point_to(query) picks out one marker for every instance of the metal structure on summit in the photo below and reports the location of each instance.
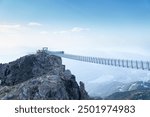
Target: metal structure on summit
(134, 64)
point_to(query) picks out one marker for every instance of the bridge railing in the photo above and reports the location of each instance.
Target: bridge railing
(134, 64)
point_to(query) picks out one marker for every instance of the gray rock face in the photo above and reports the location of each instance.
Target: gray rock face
(83, 93)
(39, 76)
(28, 67)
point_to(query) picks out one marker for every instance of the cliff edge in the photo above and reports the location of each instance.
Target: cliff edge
(39, 76)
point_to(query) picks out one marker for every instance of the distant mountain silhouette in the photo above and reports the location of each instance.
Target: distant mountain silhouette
(138, 90)
(143, 94)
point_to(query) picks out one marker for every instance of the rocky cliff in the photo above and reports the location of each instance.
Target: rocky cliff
(39, 76)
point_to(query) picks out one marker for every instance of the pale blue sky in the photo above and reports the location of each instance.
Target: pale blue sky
(75, 26)
(76, 11)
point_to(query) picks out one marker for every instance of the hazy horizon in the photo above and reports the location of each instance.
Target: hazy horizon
(75, 26)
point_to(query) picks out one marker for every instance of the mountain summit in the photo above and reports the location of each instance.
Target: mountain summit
(39, 76)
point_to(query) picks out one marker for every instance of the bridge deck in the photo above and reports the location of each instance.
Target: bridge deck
(134, 64)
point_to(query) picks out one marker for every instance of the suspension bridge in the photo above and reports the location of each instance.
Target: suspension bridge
(134, 64)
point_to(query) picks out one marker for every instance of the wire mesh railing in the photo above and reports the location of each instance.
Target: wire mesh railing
(134, 64)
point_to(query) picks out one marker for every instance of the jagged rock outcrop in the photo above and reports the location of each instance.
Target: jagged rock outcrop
(39, 76)
(83, 93)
